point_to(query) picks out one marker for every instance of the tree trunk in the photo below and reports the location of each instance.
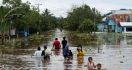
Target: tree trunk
(2, 38)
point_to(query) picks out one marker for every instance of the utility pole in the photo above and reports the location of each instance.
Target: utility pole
(38, 5)
(94, 19)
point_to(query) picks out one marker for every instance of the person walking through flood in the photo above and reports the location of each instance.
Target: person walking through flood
(38, 56)
(56, 44)
(66, 52)
(80, 54)
(38, 52)
(70, 56)
(64, 42)
(46, 53)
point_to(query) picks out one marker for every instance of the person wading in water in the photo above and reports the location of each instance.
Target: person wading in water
(56, 44)
(45, 54)
(64, 43)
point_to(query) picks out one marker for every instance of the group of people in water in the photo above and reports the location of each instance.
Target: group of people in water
(67, 54)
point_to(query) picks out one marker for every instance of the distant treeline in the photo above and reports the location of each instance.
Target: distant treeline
(23, 16)
(83, 19)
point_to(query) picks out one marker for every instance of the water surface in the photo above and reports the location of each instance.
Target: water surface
(111, 50)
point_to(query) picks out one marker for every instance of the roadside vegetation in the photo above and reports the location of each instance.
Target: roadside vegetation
(26, 18)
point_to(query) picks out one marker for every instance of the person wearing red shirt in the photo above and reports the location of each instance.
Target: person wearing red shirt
(56, 44)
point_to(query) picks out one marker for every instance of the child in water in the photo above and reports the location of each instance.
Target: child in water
(70, 54)
(91, 65)
(98, 66)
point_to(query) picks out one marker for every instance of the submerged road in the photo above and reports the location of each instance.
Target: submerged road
(112, 57)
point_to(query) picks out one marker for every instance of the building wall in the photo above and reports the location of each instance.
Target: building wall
(130, 16)
(113, 26)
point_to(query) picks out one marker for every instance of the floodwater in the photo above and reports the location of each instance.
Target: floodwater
(111, 50)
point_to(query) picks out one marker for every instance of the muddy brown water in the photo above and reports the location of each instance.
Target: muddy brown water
(113, 53)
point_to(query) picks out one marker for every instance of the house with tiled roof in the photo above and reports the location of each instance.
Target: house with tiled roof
(119, 21)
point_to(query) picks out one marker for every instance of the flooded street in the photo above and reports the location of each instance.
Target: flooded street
(111, 50)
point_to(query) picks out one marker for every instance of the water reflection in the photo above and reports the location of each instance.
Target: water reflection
(46, 62)
(38, 61)
(80, 61)
(57, 52)
(67, 64)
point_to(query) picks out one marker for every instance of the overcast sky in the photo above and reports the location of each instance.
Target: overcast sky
(61, 7)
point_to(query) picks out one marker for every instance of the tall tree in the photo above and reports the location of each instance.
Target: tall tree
(86, 26)
(3, 23)
(77, 16)
(12, 3)
(48, 20)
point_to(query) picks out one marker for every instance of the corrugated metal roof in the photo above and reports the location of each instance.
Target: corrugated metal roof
(126, 23)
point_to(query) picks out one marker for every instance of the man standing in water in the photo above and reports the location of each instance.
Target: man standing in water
(56, 44)
(64, 42)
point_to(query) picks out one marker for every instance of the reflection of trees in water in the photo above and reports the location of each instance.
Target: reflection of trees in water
(82, 38)
(112, 38)
(12, 61)
(44, 37)
(12, 57)
(95, 40)
(15, 51)
(33, 41)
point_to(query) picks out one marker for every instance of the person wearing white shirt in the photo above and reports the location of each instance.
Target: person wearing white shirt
(38, 52)
(38, 56)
